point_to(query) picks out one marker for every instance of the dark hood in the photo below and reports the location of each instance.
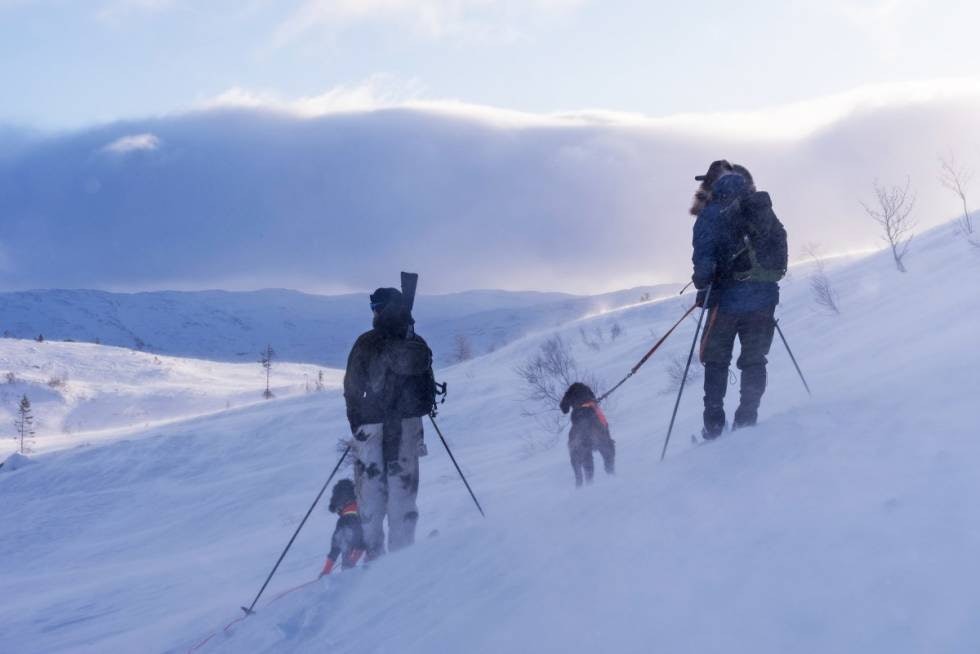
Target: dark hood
(393, 319)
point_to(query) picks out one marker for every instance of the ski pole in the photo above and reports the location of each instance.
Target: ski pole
(343, 456)
(461, 475)
(680, 391)
(793, 359)
(647, 355)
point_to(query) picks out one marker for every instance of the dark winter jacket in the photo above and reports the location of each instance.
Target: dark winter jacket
(717, 246)
(389, 375)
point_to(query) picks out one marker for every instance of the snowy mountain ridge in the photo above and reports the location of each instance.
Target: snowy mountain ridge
(844, 522)
(301, 327)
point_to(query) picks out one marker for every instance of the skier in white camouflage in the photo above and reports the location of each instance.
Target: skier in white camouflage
(389, 386)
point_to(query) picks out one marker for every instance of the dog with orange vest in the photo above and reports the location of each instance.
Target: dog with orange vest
(347, 543)
(589, 431)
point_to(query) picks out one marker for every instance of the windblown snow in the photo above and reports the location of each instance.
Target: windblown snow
(845, 522)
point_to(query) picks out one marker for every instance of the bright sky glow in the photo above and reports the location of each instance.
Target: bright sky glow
(69, 64)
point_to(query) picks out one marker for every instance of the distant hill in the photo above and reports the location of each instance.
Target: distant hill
(234, 326)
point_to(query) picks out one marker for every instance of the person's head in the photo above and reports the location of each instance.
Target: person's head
(707, 180)
(342, 496)
(730, 186)
(744, 172)
(390, 313)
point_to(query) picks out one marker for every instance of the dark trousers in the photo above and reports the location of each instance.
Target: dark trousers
(755, 330)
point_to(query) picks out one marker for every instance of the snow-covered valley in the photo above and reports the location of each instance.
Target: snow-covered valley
(83, 393)
(845, 522)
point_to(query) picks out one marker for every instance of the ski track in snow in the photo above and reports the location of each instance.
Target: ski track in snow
(842, 523)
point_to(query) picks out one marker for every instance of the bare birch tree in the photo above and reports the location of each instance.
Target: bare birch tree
(892, 210)
(547, 374)
(956, 177)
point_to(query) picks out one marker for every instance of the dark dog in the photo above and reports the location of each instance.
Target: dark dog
(590, 431)
(347, 543)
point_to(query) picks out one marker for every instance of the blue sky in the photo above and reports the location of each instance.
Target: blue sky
(67, 64)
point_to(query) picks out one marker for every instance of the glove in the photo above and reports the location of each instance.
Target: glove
(699, 298)
(327, 567)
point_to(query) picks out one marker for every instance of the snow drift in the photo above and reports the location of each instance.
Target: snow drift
(842, 523)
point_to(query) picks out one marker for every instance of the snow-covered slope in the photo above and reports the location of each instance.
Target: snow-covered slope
(845, 522)
(235, 326)
(82, 392)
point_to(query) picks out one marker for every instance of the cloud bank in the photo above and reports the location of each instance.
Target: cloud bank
(253, 197)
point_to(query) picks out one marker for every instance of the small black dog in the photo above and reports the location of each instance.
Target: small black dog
(590, 431)
(348, 536)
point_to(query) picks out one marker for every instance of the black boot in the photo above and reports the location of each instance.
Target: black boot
(753, 386)
(715, 385)
(744, 417)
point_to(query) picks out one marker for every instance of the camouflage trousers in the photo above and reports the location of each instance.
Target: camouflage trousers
(386, 481)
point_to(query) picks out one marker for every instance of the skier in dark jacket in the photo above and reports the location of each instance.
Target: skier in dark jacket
(388, 386)
(589, 431)
(347, 543)
(740, 251)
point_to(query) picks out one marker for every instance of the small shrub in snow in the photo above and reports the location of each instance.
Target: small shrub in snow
(823, 293)
(265, 359)
(592, 340)
(615, 331)
(546, 375)
(10, 378)
(675, 373)
(462, 350)
(820, 287)
(24, 424)
(892, 210)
